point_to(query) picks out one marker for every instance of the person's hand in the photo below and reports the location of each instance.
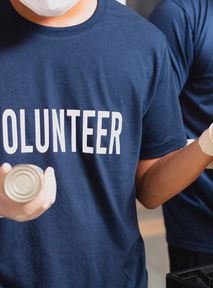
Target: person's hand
(206, 141)
(28, 211)
(206, 144)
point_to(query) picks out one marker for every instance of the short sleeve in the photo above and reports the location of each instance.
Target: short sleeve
(162, 123)
(173, 20)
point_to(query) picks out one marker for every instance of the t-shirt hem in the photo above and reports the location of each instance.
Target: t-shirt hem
(159, 151)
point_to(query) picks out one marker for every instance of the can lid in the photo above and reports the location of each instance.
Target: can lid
(23, 183)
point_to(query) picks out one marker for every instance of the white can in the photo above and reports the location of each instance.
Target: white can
(23, 183)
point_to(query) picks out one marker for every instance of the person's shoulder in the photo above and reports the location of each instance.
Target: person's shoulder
(177, 10)
(195, 10)
(131, 23)
(129, 18)
(189, 6)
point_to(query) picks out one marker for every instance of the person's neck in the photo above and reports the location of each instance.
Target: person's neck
(76, 15)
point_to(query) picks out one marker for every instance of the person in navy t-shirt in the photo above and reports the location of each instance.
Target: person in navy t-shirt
(90, 93)
(188, 26)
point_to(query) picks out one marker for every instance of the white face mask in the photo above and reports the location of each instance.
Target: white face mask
(49, 8)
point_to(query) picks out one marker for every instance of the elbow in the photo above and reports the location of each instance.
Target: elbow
(150, 205)
(149, 200)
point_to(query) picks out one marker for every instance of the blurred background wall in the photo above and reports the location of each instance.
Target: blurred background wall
(143, 7)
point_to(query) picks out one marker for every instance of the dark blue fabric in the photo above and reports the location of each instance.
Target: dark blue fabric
(188, 26)
(114, 62)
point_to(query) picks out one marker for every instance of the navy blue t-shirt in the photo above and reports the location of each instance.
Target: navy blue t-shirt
(90, 101)
(188, 26)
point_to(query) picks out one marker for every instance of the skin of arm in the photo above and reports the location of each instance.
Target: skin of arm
(158, 180)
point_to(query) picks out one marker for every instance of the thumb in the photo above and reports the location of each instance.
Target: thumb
(211, 131)
(6, 167)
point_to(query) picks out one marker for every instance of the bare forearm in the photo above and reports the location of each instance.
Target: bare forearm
(172, 174)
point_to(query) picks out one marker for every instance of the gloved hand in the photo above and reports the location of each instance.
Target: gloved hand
(206, 141)
(28, 211)
(210, 166)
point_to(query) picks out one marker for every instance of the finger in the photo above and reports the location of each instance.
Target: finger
(28, 217)
(6, 167)
(50, 186)
(37, 215)
(49, 190)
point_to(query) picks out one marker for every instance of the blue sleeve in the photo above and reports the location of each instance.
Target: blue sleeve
(174, 21)
(163, 130)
